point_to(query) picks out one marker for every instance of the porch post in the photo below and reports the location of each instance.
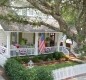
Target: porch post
(64, 41)
(36, 44)
(17, 37)
(8, 44)
(58, 39)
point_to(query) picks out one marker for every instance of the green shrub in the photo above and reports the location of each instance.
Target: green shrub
(46, 57)
(25, 59)
(15, 70)
(49, 57)
(35, 59)
(43, 74)
(21, 59)
(42, 57)
(58, 55)
(18, 58)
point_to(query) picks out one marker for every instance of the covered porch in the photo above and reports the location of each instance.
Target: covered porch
(24, 43)
(21, 40)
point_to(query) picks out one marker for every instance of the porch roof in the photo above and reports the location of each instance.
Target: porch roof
(24, 28)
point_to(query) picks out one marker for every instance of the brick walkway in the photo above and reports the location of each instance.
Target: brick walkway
(3, 76)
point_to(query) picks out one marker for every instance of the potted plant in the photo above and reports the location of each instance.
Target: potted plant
(47, 41)
(23, 41)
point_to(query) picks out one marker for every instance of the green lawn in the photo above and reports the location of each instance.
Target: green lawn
(56, 66)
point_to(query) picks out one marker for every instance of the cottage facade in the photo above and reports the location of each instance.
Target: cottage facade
(17, 39)
(26, 42)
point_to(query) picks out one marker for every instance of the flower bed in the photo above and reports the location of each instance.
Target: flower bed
(42, 58)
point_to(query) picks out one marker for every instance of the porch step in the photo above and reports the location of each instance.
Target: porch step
(72, 55)
(74, 59)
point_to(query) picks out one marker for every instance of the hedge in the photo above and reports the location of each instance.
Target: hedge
(41, 57)
(17, 71)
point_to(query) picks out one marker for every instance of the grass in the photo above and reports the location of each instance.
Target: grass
(56, 66)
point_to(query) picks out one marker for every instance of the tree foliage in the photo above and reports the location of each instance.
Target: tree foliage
(68, 13)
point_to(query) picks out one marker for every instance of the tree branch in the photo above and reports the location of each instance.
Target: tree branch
(25, 21)
(16, 7)
(39, 6)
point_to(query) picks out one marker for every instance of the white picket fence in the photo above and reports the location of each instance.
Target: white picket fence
(67, 72)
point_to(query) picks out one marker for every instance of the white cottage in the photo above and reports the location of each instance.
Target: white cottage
(18, 40)
(22, 40)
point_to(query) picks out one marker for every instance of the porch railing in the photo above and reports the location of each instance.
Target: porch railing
(50, 49)
(68, 72)
(64, 50)
(29, 51)
(22, 51)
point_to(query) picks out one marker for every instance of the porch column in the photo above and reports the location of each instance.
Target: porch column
(17, 37)
(36, 44)
(8, 44)
(64, 41)
(58, 37)
(56, 41)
